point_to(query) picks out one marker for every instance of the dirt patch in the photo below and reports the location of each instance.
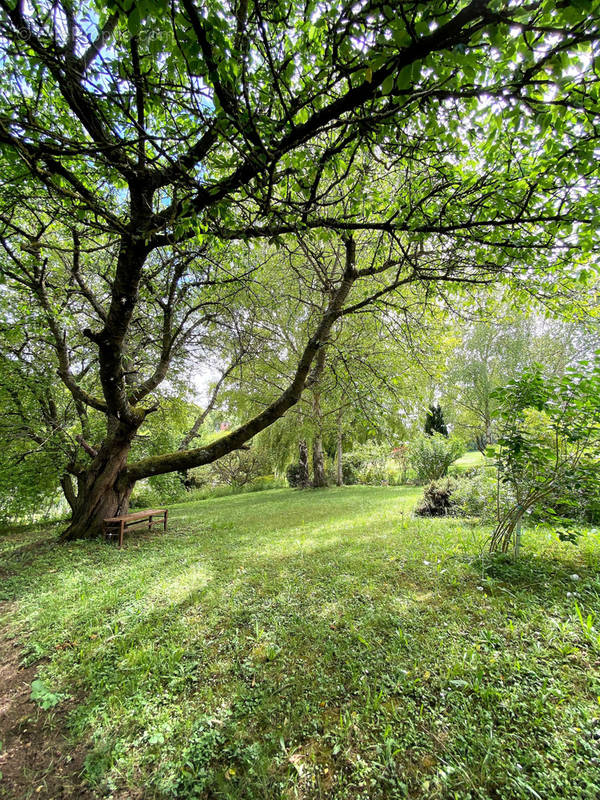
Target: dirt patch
(36, 758)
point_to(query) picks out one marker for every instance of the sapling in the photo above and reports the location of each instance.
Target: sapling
(549, 434)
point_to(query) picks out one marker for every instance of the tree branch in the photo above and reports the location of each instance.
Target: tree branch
(178, 461)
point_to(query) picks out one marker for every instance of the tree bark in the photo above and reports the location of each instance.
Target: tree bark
(339, 452)
(102, 491)
(303, 476)
(66, 484)
(319, 479)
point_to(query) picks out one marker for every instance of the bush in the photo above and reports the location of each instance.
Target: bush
(548, 443)
(158, 490)
(349, 472)
(373, 474)
(238, 468)
(432, 455)
(263, 483)
(370, 464)
(292, 475)
(471, 495)
(163, 489)
(144, 497)
(574, 498)
(474, 495)
(401, 462)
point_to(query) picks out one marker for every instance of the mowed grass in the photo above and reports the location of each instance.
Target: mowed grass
(319, 644)
(471, 459)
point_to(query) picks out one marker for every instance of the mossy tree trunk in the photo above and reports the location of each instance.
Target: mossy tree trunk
(103, 489)
(319, 477)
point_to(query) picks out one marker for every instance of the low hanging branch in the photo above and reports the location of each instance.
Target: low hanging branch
(182, 460)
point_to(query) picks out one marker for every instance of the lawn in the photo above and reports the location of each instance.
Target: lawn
(471, 460)
(318, 644)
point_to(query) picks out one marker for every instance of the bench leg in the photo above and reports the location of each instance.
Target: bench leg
(122, 530)
(150, 522)
(165, 523)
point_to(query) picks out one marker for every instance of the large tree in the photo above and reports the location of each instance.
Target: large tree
(376, 368)
(139, 139)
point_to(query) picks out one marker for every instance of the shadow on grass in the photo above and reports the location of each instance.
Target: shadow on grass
(222, 548)
(87, 584)
(538, 575)
(283, 613)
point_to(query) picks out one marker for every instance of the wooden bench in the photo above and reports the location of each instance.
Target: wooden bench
(114, 526)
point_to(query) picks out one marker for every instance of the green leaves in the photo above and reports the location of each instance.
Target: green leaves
(432, 455)
(549, 440)
(134, 20)
(226, 121)
(388, 84)
(406, 76)
(43, 696)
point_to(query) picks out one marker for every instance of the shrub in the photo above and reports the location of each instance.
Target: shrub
(264, 482)
(474, 495)
(170, 488)
(432, 455)
(370, 464)
(373, 474)
(549, 438)
(261, 484)
(401, 462)
(574, 498)
(144, 497)
(349, 471)
(158, 490)
(292, 475)
(238, 468)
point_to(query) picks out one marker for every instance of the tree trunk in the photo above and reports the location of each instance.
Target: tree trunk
(66, 484)
(303, 476)
(339, 452)
(102, 491)
(106, 486)
(319, 479)
(318, 465)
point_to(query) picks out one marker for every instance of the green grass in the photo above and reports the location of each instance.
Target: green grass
(469, 461)
(319, 644)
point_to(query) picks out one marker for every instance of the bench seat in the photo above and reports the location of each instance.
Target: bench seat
(115, 526)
